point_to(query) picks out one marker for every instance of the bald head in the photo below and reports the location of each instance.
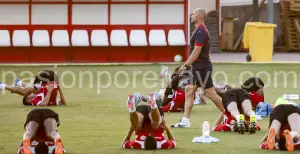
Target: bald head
(201, 13)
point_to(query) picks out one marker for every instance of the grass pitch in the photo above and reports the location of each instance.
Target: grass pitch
(96, 120)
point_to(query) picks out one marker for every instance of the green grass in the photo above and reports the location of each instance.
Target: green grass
(97, 123)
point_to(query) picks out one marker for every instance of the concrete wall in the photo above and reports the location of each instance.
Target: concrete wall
(241, 12)
(205, 4)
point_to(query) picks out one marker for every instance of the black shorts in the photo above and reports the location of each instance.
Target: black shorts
(281, 113)
(40, 115)
(44, 77)
(145, 110)
(234, 95)
(203, 77)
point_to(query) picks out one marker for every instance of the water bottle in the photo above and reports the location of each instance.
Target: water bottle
(205, 128)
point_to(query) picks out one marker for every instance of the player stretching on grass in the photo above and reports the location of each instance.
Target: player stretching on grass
(237, 103)
(41, 136)
(284, 127)
(42, 92)
(148, 124)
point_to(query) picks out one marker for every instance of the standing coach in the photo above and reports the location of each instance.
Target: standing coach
(201, 67)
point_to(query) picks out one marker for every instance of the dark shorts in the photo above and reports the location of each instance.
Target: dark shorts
(235, 95)
(40, 115)
(203, 77)
(145, 110)
(45, 76)
(281, 113)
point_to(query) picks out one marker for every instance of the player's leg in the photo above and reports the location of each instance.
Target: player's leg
(209, 90)
(13, 89)
(135, 114)
(50, 125)
(274, 130)
(154, 115)
(31, 127)
(188, 106)
(294, 122)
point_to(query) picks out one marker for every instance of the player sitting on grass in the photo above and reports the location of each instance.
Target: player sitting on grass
(41, 136)
(284, 127)
(148, 124)
(237, 104)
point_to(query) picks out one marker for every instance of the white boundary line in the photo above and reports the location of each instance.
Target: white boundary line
(128, 64)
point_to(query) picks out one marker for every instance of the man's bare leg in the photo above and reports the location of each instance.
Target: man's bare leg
(212, 95)
(189, 100)
(273, 132)
(30, 131)
(154, 115)
(14, 89)
(188, 106)
(233, 109)
(50, 126)
(136, 119)
(294, 122)
(247, 108)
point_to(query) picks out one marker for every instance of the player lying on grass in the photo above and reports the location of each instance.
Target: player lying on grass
(284, 127)
(41, 136)
(148, 124)
(254, 87)
(173, 97)
(237, 103)
(42, 92)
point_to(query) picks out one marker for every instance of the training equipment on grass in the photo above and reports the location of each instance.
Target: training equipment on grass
(291, 96)
(205, 138)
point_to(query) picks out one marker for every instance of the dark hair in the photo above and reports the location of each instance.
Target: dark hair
(282, 143)
(25, 101)
(41, 148)
(45, 76)
(150, 143)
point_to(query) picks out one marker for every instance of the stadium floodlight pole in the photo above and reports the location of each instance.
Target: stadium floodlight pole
(270, 11)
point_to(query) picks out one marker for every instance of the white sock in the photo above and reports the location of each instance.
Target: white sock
(19, 83)
(237, 118)
(154, 106)
(2, 86)
(185, 119)
(132, 109)
(294, 134)
(251, 113)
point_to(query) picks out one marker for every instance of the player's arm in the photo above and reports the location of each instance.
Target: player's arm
(219, 121)
(46, 100)
(127, 138)
(168, 131)
(199, 42)
(169, 91)
(62, 96)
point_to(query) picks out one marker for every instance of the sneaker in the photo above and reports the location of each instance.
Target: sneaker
(164, 72)
(16, 81)
(59, 146)
(137, 98)
(241, 124)
(130, 102)
(271, 139)
(26, 146)
(151, 100)
(289, 141)
(252, 125)
(184, 123)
